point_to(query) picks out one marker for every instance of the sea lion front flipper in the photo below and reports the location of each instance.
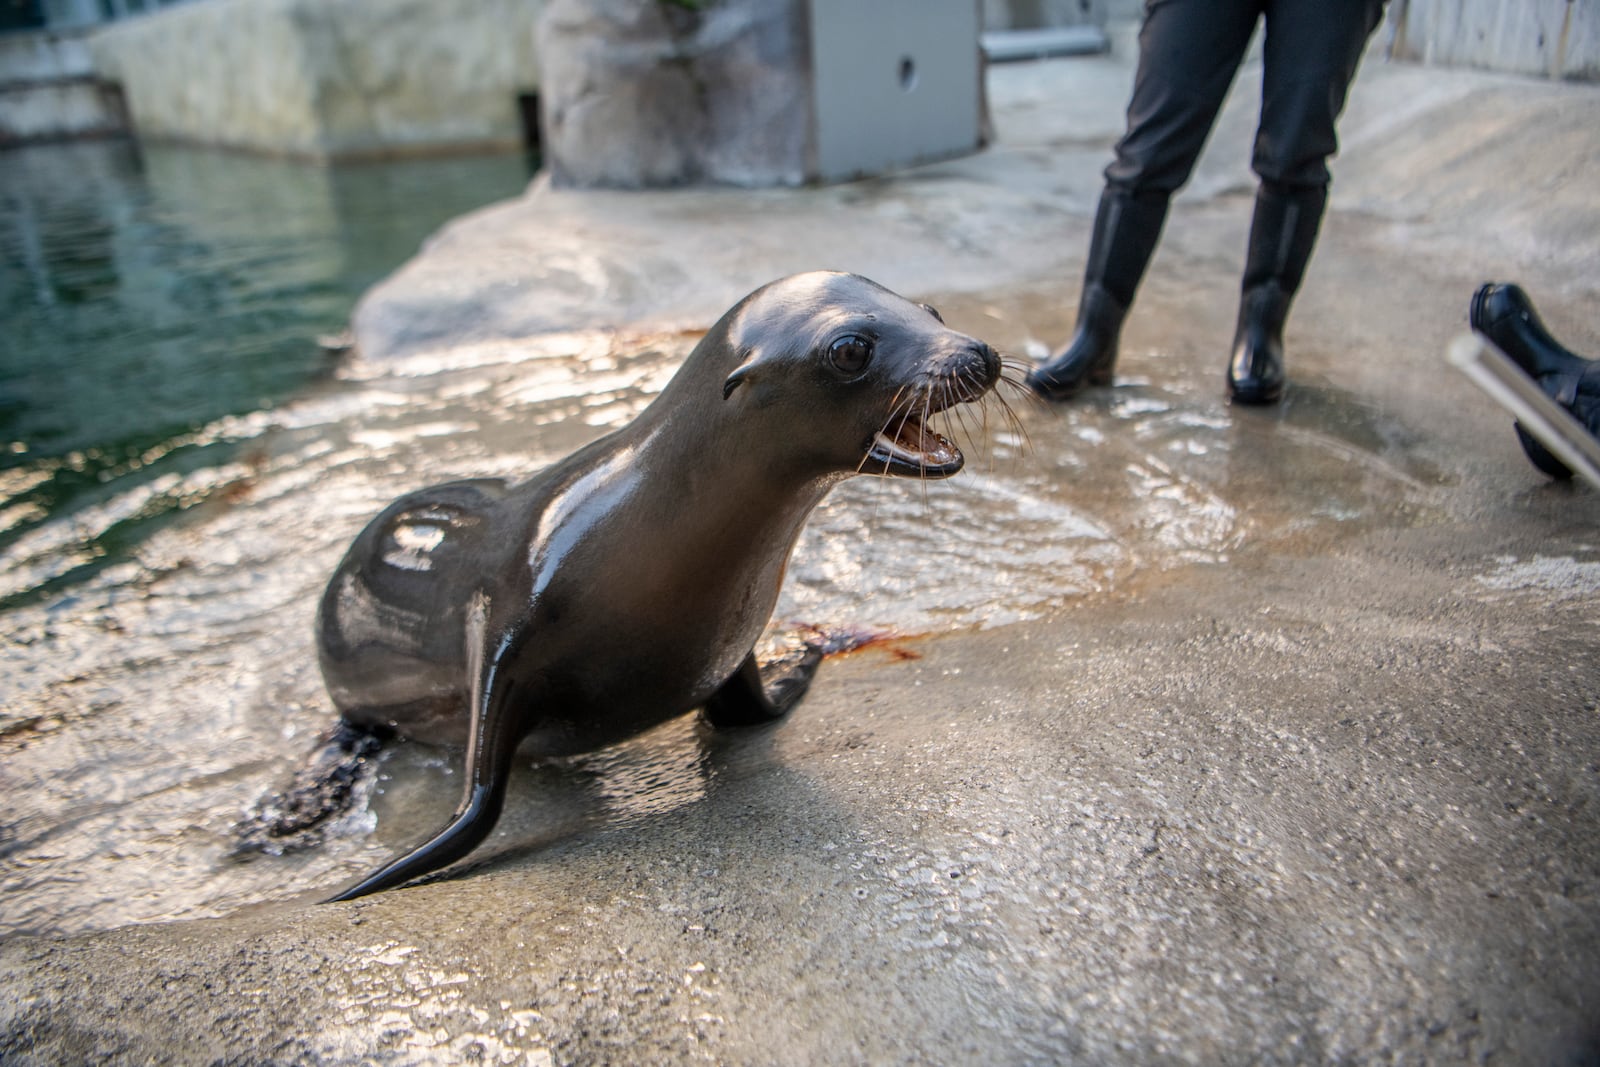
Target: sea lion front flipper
(744, 701)
(491, 742)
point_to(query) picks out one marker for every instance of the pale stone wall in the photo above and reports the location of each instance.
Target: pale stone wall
(327, 79)
(229, 72)
(1550, 38)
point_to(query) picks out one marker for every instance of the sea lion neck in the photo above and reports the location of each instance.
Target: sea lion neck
(714, 462)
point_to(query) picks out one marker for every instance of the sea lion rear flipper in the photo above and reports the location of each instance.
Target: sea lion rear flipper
(491, 742)
(744, 701)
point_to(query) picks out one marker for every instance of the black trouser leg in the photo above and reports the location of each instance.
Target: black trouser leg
(1308, 58)
(1310, 55)
(1188, 53)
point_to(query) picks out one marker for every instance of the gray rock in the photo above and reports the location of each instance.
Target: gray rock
(640, 94)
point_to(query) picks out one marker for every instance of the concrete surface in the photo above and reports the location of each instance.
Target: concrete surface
(1331, 794)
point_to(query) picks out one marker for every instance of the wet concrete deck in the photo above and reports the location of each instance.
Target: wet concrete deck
(1312, 777)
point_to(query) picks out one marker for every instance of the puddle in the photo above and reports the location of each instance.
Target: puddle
(146, 707)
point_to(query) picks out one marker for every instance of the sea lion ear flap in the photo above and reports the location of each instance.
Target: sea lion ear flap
(739, 374)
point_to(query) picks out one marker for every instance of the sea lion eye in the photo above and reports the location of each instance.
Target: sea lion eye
(930, 309)
(849, 354)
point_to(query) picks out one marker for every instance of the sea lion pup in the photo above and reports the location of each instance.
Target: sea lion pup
(628, 583)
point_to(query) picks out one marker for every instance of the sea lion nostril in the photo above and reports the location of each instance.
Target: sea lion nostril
(970, 371)
(981, 355)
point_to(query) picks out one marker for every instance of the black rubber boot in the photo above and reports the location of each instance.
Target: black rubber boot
(1126, 229)
(1255, 374)
(1282, 234)
(1505, 316)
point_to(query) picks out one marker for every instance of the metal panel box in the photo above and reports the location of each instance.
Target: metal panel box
(894, 82)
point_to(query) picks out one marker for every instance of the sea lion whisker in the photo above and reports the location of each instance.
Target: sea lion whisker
(987, 428)
(889, 420)
(954, 406)
(1014, 422)
(980, 402)
(927, 414)
(910, 410)
(884, 431)
(861, 467)
(922, 453)
(983, 436)
(1014, 374)
(894, 434)
(976, 395)
(979, 437)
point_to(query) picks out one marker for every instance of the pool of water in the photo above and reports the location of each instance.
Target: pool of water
(149, 292)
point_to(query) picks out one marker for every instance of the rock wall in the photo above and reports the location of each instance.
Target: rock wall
(327, 79)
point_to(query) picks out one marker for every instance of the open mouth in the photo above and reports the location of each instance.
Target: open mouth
(908, 447)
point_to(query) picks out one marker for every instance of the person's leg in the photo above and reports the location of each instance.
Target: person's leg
(1126, 229)
(1189, 51)
(1310, 56)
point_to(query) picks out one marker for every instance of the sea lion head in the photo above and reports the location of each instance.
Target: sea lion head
(850, 373)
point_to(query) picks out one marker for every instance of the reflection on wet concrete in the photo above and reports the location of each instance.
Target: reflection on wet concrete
(412, 1020)
(148, 706)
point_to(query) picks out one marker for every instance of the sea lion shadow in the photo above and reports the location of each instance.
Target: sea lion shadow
(683, 778)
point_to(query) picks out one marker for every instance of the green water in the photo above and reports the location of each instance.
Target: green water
(147, 293)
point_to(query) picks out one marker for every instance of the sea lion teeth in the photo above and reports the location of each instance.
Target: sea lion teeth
(929, 448)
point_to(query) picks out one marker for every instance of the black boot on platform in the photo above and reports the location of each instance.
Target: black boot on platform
(1126, 229)
(1505, 316)
(1255, 374)
(1282, 234)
